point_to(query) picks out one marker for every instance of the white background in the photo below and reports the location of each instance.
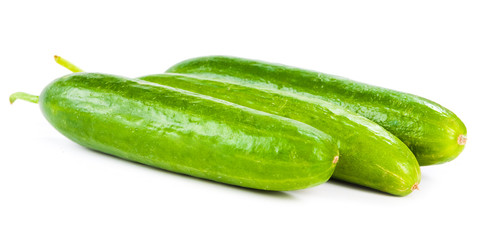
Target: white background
(51, 188)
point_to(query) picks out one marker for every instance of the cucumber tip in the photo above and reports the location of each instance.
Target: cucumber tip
(415, 187)
(335, 159)
(461, 140)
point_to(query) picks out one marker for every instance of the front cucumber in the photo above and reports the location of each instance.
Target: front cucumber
(186, 132)
(369, 155)
(433, 133)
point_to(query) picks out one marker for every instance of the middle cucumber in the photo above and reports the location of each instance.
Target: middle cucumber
(369, 155)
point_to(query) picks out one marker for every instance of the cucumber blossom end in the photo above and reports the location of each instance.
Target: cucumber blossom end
(462, 139)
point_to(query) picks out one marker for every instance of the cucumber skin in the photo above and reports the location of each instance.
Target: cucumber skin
(362, 143)
(188, 133)
(431, 131)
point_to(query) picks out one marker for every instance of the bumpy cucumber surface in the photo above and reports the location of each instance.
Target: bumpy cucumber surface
(433, 133)
(369, 155)
(187, 132)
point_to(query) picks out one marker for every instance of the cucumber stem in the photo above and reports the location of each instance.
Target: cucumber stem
(23, 96)
(64, 63)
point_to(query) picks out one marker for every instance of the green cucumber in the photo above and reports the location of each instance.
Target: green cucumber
(433, 133)
(369, 155)
(186, 132)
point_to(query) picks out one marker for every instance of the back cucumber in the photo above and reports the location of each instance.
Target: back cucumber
(186, 132)
(369, 155)
(433, 133)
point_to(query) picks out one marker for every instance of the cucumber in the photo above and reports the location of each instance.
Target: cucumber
(369, 155)
(433, 133)
(186, 132)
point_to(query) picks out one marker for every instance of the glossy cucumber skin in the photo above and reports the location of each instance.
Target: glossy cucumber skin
(433, 133)
(369, 155)
(188, 133)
